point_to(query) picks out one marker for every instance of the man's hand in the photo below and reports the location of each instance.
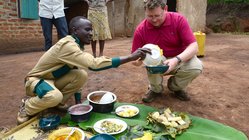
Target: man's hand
(137, 63)
(172, 63)
(140, 54)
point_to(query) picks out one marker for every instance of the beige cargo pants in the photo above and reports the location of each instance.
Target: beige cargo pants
(180, 77)
(63, 88)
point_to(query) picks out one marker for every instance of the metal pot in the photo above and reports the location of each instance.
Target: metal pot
(94, 98)
(80, 112)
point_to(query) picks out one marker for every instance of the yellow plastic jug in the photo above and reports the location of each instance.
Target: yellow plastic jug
(200, 38)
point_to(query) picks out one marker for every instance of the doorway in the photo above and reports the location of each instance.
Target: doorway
(171, 5)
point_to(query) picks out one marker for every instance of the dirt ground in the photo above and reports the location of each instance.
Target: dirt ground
(220, 93)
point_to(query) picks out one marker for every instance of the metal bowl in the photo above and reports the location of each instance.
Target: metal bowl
(94, 98)
(49, 123)
(80, 112)
(102, 137)
(160, 69)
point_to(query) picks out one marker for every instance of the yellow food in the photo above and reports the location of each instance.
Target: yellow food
(63, 137)
(61, 134)
(111, 127)
(175, 122)
(168, 118)
(146, 136)
(127, 113)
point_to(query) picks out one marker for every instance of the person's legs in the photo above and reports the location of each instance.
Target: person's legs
(71, 83)
(52, 98)
(61, 26)
(101, 47)
(155, 87)
(93, 44)
(184, 75)
(58, 93)
(35, 104)
(155, 81)
(182, 78)
(47, 26)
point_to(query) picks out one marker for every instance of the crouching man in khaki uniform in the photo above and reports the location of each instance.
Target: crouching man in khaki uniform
(62, 71)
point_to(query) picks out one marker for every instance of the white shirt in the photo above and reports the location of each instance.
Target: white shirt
(51, 8)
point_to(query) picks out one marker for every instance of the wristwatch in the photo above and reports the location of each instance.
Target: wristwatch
(179, 59)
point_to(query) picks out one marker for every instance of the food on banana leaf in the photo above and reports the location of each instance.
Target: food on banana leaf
(138, 132)
(146, 136)
(127, 113)
(174, 123)
(110, 127)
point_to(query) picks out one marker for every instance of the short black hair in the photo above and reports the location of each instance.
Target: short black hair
(74, 22)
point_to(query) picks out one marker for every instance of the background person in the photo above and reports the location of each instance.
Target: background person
(51, 13)
(171, 32)
(62, 71)
(97, 14)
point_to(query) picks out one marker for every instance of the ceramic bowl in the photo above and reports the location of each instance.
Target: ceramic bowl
(80, 112)
(94, 100)
(50, 122)
(62, 133)
(106, 98)
(102, 137)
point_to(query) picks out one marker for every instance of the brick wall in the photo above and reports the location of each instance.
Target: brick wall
(16, 34)
(11, 26)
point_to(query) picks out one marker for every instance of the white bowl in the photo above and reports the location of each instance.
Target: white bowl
(155, 58)
(106, 98)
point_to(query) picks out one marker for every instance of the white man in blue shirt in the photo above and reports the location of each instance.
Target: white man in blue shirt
(51, 13)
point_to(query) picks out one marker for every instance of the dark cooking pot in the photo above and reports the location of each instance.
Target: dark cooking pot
(80, 112)
(94, 98)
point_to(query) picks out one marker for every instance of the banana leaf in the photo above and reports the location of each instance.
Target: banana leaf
(204, 129)
(201, 129)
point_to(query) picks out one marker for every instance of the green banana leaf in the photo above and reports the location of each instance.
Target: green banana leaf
(201, 129)
(204, 129)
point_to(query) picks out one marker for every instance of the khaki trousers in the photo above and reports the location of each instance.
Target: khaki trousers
(180, 77)
(63, 88)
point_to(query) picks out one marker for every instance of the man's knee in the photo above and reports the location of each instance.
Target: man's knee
(54, 98)
(195, 72)
(81, 76)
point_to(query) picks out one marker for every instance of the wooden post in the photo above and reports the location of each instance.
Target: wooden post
(113, 19)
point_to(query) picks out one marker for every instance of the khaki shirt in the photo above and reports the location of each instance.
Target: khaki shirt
(66, 54)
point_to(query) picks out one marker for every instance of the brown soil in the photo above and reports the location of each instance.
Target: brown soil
(233, 17)
(220, 93)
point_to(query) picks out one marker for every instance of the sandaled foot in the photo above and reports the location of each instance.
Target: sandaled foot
(150, 96)
(22, 115)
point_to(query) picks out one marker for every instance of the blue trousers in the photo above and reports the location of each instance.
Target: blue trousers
(47, 26)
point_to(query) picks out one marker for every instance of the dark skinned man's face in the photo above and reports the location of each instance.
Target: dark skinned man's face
(84, 31)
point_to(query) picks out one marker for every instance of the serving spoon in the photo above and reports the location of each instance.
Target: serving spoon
(71, 133)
